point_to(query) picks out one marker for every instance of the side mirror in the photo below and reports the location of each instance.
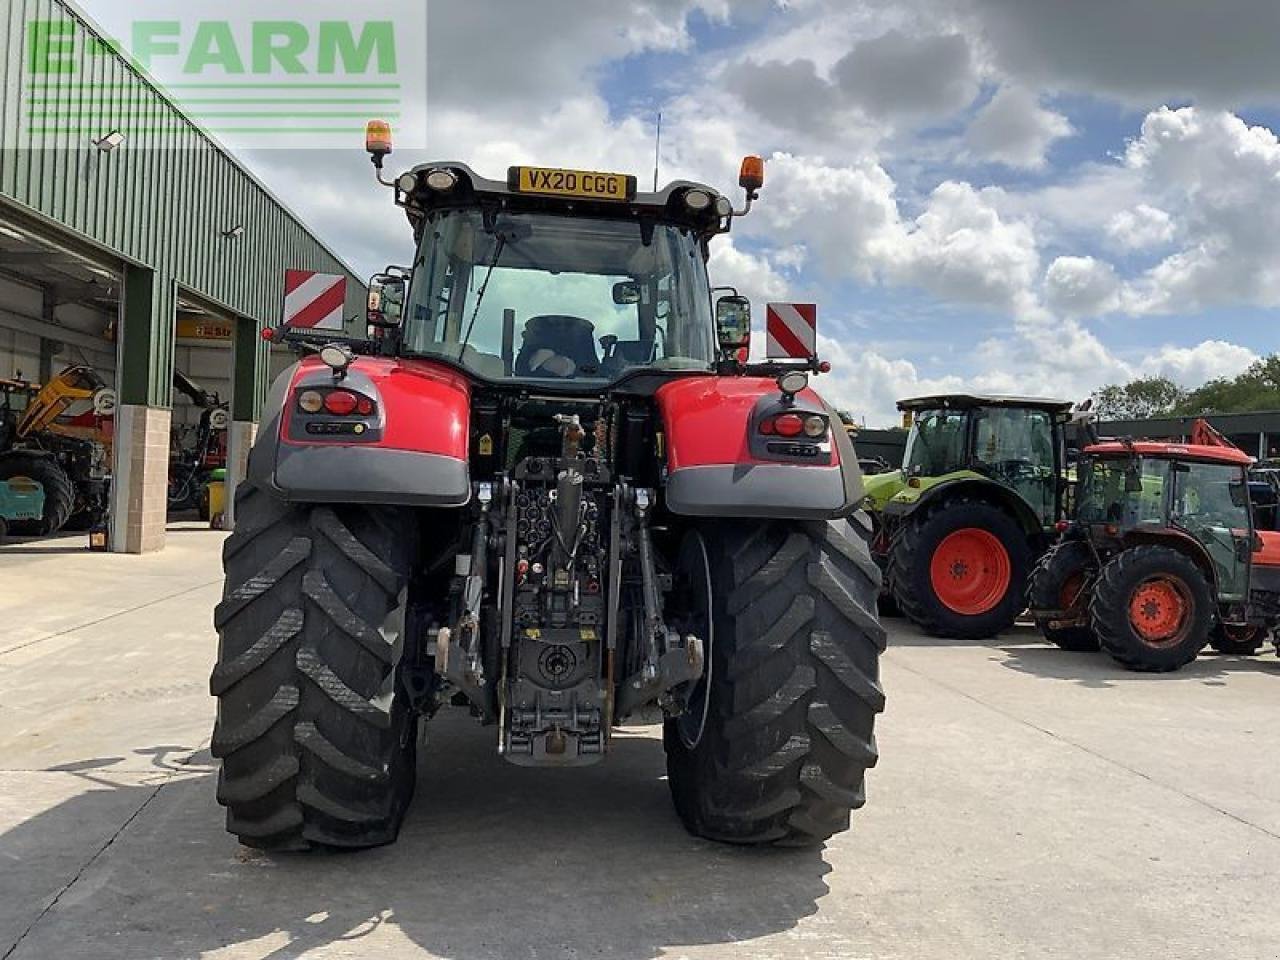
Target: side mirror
(386, 300)
(733, 323)
(626, 293)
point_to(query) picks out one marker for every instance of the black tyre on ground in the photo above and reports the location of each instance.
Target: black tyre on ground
(780, 731)
(1151, 609)
(959, 567)
(1237, 641)
(1058, 582)
(314, 730)
(59, 491)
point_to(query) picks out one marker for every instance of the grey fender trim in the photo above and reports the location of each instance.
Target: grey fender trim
(766, 490)
(323, 474)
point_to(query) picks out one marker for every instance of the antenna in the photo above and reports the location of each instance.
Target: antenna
(657, 145)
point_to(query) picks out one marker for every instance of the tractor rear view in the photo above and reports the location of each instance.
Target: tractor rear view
(547, 492)
(1162, 559)
(960, 526)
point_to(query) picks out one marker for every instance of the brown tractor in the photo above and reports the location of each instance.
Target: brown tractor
(1162, 558)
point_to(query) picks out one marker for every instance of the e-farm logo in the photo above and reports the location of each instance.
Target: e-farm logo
(305, 81)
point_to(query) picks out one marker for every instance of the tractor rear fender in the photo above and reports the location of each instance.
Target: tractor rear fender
(1175, 539)
(720, 464)
(973, 489)
(411, 450)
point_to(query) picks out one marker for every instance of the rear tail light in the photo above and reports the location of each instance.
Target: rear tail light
(813, 427)
(788, 425)
(338, 403)
(341, 403)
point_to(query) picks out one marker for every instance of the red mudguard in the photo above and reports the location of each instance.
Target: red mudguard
(412, 450)
(718, 466)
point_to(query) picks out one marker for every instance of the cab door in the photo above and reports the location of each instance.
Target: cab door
(1210, 501)
(1015, 446)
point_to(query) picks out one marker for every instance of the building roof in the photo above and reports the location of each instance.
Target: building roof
(966, 400)
(1170, 451)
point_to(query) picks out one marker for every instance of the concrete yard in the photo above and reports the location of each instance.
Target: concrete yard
(1029, 803)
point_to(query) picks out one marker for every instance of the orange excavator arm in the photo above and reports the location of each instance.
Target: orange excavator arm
(1205, 434)
(72, 384)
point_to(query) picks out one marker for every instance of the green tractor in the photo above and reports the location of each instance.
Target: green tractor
(960, 526)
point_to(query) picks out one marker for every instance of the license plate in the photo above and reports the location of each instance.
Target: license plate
(586, 184)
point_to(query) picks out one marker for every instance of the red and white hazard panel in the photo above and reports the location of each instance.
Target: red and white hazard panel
(314, 301)
(791, 330)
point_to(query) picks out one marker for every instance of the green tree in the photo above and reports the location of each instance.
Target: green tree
(1258, 388)
(1137, 399)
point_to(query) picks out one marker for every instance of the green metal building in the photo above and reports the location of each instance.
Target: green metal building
(118, 217)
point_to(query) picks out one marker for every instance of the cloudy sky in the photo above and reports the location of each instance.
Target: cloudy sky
(1013, 195)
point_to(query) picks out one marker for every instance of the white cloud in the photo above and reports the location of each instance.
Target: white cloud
(1013, 129)
(1081, 286)
(962, 250)
(1220, 178)
(1141, 227)
(1192, 366)
(752, 275)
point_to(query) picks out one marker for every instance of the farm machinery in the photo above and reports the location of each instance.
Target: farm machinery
(1162, 557)
(959, 528)
(548, 491)
(69, 456)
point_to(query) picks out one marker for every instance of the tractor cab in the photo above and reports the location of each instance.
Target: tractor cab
(567, 281)
(1016, 442)
(1195, 494)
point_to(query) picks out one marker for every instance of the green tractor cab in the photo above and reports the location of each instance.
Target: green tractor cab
(21, 498)
(960, 526)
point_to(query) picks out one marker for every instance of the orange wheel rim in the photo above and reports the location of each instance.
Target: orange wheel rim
(1243, 634)
(970, 571)
(1069, 595)
(1159, 611)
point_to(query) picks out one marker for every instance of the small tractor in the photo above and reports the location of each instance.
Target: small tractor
(960, 526)
(1162, 557)
(69, 457)
(547, 490)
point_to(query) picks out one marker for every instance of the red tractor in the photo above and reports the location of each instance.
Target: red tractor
(1162, 558)
(547, 491)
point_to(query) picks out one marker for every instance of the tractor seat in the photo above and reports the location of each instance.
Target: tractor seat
(1268, 555)
(566, 336)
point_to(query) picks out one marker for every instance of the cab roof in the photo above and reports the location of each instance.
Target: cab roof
(1158, 450)
(967, 400)
(665, 205)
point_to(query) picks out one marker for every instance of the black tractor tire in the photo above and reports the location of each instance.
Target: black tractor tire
(1158, 570)
(1236, 642)
(59, 491)
(314, 729)
(912, 552)
(794, 689)
(1059, 581)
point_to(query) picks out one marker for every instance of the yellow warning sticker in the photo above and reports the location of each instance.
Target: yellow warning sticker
(486, 446)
